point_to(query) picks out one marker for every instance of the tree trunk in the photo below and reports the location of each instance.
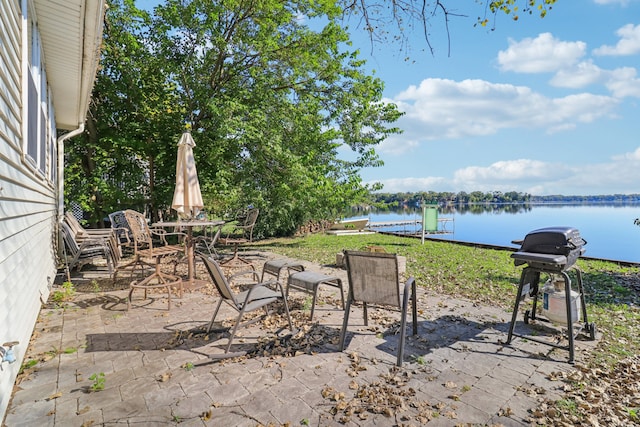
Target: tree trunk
(153, 212)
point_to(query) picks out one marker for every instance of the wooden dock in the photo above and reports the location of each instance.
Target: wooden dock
(416, 224)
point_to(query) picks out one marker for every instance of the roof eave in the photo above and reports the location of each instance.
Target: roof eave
(71, 32)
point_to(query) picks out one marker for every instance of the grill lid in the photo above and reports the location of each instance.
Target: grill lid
(550, 248)
(553, 240)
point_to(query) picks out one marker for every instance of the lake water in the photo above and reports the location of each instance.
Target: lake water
(609, 230)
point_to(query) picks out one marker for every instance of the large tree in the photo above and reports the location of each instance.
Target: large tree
(270, 90)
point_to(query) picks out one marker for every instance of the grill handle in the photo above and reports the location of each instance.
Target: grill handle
(571, 245)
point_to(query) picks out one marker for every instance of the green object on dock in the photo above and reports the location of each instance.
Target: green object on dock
(430, 218)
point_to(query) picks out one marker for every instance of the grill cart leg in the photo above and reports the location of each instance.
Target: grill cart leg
(534, 280)
(567, 299)
(531, 278)
(588, 327)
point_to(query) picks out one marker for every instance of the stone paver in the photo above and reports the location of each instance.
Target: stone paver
(457, 370)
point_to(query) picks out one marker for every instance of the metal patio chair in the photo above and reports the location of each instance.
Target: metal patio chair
(208, 242)
(120, 227)
(144, 248)
(257, 296)
(107, 234)
(86, 251)
(374, 279)
(242, 233)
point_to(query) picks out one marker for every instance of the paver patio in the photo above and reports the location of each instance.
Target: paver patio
(157, 369)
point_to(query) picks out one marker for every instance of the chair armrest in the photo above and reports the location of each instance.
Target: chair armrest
(159, 233)
(92, 243)
(122, 232)
(246, 272)
(162, 234)
(97, 231)
(202, 238)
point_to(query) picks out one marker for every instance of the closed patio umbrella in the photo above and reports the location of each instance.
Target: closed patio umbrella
(187, 199)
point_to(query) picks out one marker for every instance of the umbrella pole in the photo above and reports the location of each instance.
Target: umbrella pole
(190, 258)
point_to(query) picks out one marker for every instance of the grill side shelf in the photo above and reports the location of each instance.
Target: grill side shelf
(522, 257)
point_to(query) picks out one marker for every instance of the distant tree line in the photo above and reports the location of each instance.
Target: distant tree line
(391, 200)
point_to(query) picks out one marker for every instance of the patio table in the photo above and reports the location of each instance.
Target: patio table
(192, 283)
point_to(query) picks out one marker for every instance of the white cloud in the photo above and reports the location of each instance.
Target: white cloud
(398, 185)
(507, 175)
(621, 82)
(624, 82)
(618, 175)
(544, 53)
(580, 75)
(633, 156)
(445, 109)
(620, 2)
(512, 170)
(629, 43)
(397, 145)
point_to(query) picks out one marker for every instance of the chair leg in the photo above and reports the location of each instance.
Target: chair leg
(164, 280)
(236, 260)
(215, 313)
(345, 322)
(403, 332)
(169, 294)
(110, 261)
(415, 308)
(403, 323)
(286, 308)
(365, 314)
(131, 289)
(233, 331)
(313, 302)
(137, 261)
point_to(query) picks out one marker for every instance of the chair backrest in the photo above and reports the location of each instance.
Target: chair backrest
(74, 225)
(69, 239)
(119, 223)
(373, 278)
(251, 217)
(250, 222)
(219, 280)
(140, 232)
(214, 239)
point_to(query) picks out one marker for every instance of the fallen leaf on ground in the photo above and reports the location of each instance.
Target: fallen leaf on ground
(55, 396)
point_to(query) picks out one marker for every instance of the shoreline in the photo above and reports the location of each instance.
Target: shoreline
(502, 248)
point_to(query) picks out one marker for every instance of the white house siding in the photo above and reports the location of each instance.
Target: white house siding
(27, 209)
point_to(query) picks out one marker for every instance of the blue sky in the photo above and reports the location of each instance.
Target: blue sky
(543, 106)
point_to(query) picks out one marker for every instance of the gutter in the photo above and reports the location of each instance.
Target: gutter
(60, 184)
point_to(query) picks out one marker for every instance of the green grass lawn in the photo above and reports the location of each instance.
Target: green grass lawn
(489, 276)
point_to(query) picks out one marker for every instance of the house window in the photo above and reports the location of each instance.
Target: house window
(41, 134)
(32, 122)
(52, 164)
